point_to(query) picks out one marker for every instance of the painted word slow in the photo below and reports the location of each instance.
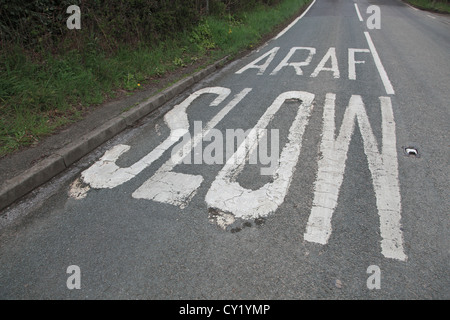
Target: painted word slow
(226, 195)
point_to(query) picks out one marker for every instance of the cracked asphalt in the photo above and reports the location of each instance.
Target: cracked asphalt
(136, 248)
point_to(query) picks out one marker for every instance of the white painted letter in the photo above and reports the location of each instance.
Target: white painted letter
(331, 54)
(383, 168)
(352, 62)
(179, 188)
(106, 174)
(296, 65)
(227, 195)
(262, 67)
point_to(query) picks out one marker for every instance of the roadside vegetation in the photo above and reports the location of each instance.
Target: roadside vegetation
(50, 75)
(442, 6)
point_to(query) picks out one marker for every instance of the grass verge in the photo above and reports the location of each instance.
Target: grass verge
(436, 6)
(41, 91)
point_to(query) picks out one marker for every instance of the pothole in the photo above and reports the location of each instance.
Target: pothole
(228, 222)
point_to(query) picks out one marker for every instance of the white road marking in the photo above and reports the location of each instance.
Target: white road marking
(297, 65)
(384, 77)
(263, 67)
(106, 174)
(77, 190)
(414, 8)
(228, 196)
(330, 57)
(352, 62)
(294, 22)
(383, 167)
(331, 54)
(359, 14)
(430, 16)
(178, 188)
(222, 219)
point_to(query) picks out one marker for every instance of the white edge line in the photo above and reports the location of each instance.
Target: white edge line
(295, 21)
(431, 16)
(384, 77)
(357, 11)
(414, 8)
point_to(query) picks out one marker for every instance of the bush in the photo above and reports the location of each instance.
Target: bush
(42, 23)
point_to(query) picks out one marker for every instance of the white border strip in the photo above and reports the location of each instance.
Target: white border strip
(414, 8)
(295, 21)
(359, 14)
(384, 77)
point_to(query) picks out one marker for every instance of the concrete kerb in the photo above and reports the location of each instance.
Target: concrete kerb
(76, 150)
(17, 187)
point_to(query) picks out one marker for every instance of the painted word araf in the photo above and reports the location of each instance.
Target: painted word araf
(328, 63)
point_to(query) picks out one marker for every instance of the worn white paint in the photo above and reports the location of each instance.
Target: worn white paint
(384, 77)
(78, 190)
(382, 165)
(358, 13)
(352, 62)
(106, 174)
(178, 188)
(228, 196)
(262, 68)
(222, 219)
(330, 55)
(294, 22)
(297, 65)
(329, 63)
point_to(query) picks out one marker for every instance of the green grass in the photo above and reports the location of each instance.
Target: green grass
(40, 92)
(235, 34)
(438, 6)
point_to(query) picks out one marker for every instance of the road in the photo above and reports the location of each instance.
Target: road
(320, 199)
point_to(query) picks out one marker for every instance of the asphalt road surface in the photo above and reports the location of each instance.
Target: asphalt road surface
(316, 167)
